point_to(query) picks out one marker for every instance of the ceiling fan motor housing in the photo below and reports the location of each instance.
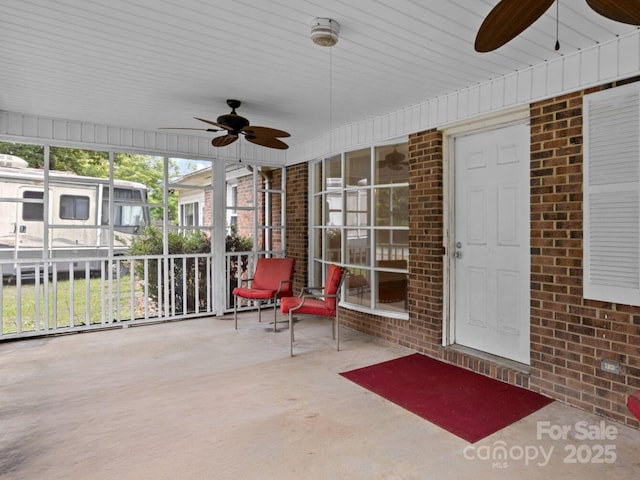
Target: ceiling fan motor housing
(234, 121)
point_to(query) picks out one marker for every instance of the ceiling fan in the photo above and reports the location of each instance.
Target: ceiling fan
(509, 18)
(394, 160)
(236, 125)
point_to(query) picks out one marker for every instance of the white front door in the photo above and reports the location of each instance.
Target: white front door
(491, 240)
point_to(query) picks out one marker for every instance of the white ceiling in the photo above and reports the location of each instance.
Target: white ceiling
(159, 63)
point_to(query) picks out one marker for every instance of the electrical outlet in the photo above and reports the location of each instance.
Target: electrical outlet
(610, 366)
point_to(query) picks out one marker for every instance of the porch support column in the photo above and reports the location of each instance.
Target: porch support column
(219, 281)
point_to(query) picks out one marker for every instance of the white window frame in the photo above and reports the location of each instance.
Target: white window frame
(195, 206)
(315, 226)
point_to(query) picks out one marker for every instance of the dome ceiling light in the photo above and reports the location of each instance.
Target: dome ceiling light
(324, 32)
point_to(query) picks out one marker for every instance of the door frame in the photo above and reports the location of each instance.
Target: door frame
(516, 116)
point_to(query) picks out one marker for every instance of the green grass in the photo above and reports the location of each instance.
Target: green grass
(93, 311)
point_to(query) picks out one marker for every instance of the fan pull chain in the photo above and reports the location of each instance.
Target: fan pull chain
(331, 98)
(557, 25)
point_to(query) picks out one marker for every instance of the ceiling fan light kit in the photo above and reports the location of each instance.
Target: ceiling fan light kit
(325, 32)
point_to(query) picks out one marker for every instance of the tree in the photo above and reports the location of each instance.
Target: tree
(149, 171)
(89, 163)
(33, 154)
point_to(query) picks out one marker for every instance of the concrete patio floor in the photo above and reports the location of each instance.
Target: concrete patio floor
(200, 400)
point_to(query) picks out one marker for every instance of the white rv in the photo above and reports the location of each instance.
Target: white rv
(78, 216)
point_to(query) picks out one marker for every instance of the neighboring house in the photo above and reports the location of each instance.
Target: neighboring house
(246, 199)
(193, 189)
(195, 199)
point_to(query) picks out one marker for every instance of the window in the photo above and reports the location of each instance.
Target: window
(128, 211)
(232, 203)
(73, 207)
(612, 195)
(360, 220)
(189, 214)
(33, 212)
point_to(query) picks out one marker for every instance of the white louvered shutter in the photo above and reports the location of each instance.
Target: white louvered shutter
(612, 195)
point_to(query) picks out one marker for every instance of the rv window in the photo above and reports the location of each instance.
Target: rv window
(125, 214)
(123, 193)
(33, 212)
(74, 207)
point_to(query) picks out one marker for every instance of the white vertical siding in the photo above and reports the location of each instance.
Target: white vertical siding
(606, 62)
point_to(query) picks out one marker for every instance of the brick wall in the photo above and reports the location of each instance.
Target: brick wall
(297, 215)
(245, 199)
(571, 335)
(276, 209)
(207, 209)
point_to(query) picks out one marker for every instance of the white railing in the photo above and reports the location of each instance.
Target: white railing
(66, 295)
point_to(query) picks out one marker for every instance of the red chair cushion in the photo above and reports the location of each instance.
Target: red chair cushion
(253, 293)
(633, 402)
(267, 277)
(270, 271)
(312, 306)
(334, 275)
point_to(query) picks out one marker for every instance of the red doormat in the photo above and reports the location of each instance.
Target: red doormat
(465, 403)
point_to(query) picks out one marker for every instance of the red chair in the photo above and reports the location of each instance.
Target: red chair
(324, 304)
(633, 402)
(272, 279)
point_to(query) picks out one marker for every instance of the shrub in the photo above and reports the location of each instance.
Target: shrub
(150, 242)
(236, 243)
